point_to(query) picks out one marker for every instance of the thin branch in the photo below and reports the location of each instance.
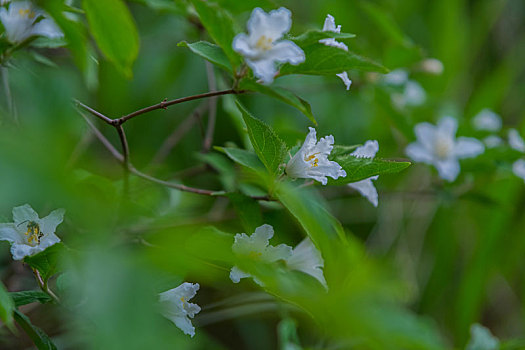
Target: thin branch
(43, 285)
(95, 113)
(124, 143)
(212, 112)
(164, 104)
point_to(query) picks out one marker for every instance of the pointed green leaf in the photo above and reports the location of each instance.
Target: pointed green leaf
(219, 24)
(281, 94)
(30, 296)
(243, 157)
(114, 30)
(39, 338)
(7, 306)
(328, 60)
(46, 262)
(362, 168)
(209, 52)
(268, 146)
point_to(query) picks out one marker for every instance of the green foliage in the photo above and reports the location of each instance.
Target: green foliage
(47, 262)
(268, 146)
(29, 296)
(114, 31)
(243, 157)
(362, 168)
(313, 37)
(39, 338)
(210, 52)
(7, 307)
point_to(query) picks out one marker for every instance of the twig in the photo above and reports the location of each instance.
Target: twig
(164, 104)
(212, 112)
(124, 144)
(95, 113)
(44, 287)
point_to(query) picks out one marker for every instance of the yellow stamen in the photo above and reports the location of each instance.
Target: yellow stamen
(264, 43)
(26, 13)
(255, 255)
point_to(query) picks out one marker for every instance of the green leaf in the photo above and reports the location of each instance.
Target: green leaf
(39, 338)
(209, 52)
(341, 150)
(219, 24)
(243, 157)
(268, 146)
(46, 262)
(114, 31)
(328, 60)
(313, 36)
(281, 94)
(248, 211)
(30, 296)
(7, 306)
(385, 23)
(223, 166)
(362, 168)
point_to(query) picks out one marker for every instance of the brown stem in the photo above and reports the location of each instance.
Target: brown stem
(95, 113)
(164, 104)
(43, 285)
(124, 143)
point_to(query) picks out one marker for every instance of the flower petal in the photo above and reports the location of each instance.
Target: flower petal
(306, 258)
(20, 251)
(492, 141)
(448, 169)
(24, 213)
(334, 43)
(345, 79)
(241, 44)
(486, 119)
(468, 147)
(184, 324)
(396, 77)
(447, 126)
(367, 189)
(10, 234)
(419, 153)
(414, 94)
(516, 141)
(273, 25)
(237, 274)
(280, 252)
(263, 69)
(518, 168)
(49, 224)
(426, 134)
(286, 51)
(329, 25)
(368, 150)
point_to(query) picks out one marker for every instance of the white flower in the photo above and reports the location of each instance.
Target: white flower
(257, 248)
(311, 161)
(487, 120)
(396, 77)
(482, 339)
(262, 48)
(28, 234)
(437, 145)
(176, 308)
(22, 20)
(329, 25)
(366, 187)
(518, 168)
(515, 140)
(432, 66)
(306, 258)
(492, 141)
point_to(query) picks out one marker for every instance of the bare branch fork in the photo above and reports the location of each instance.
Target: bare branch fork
(124, 157)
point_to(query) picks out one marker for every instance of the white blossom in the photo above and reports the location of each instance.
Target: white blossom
(516, 141)
(437, 145)
(366, 187)
(482, 339)
(22, 20)
(432, 66)
(262, 47)
(396, 77)
(487, 120)
(306, 258)
(492, 141)
(413, 95)
(518, 168)
(29, 234)
(329, 25)
(257, 248)
(311, 161)
(176, 308)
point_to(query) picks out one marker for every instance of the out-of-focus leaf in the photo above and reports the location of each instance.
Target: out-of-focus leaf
(385, 23)
(209, 52)
(164, 5)
(223, 166)
(114, 31)
(268, 146)
(39, 338)
(7, 306)
(219, 24)
(313, 36)
(248, 211)
(281, 94)
(243, 157)
(30, 296)
(46, 262)
(328, 60)
(362, 168)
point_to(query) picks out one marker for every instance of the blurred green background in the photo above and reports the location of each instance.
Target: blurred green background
(457, 250)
